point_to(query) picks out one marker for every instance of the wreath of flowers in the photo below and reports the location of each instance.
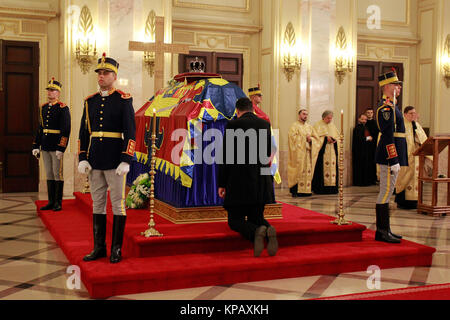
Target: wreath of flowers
(139, 193)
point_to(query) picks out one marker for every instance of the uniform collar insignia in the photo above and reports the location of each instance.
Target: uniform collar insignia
(109, 92)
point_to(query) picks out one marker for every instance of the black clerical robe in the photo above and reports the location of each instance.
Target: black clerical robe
(363, 160)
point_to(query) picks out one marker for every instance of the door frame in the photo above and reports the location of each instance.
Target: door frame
(41, 39)
(18, 69)
(407, 85)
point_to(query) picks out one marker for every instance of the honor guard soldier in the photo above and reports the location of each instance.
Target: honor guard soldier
(51, 140)
(106, 147)
(391, 151)
(255, 95)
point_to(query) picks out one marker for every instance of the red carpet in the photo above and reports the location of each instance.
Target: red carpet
(202, 254)
(431, 292)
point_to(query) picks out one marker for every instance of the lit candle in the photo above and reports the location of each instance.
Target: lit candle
(154, 121)
(342, 121)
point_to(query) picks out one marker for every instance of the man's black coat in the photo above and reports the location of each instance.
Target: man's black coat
(241, 173)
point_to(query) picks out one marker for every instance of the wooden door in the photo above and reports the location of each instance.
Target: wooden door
(368, 92)
(185, 59)
(367, 88)
(228, 65)
(19, 100)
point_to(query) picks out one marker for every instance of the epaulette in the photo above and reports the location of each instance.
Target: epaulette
(123, 94)
(383, 108)
(43, 104)
(62, 105)
(88, 97)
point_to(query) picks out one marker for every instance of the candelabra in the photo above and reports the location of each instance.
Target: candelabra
(341, 215)
(151, 231)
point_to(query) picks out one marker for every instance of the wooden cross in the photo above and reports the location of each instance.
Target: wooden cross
(159, 48)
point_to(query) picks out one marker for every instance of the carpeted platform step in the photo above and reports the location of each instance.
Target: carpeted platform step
(298, 227)
(136, 275)
(72, 229)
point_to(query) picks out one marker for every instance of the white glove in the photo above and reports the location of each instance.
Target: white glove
(84, 167)
(123, 169)
(395, 168)
(35, 152)
(59, 154)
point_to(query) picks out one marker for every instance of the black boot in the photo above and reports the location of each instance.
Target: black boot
(99, 222)
(117, 238)
(51, 186)
(58, 195)
(389, 225)
(383, 227)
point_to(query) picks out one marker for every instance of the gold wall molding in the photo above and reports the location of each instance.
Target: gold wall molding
(406, 23)
(185, 37)
(388, 40)
(425, 61)
(266, 51)
(215, 27)
(380, 52)
(184, 4)
(206, 40)
(34, 27)
(27, 13)
(12, 26)
(213, 41)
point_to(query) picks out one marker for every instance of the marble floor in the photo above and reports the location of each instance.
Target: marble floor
(33, 267)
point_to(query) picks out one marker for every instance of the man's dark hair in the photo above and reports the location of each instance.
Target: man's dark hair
(244, 104)
(408, 109)
(369, 108)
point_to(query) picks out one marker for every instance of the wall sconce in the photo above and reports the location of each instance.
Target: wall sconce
(343, 56)
(446, 61)
(291, 55)
(86, 44)
(150, 30)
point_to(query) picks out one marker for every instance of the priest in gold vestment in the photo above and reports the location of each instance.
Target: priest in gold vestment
(325, 178)
(406, 187)
(304, 145)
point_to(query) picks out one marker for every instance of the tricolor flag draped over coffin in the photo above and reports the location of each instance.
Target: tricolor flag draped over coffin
(186, 111)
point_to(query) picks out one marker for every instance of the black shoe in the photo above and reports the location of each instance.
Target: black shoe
(51, 186)
(99, 222)
(258, 244)
(272, 244)
(294, 195)
(117, 238)
(58, 195)
(383, 235)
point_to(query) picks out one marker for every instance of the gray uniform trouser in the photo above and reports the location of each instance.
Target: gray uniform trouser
(99, 181)
(387, 184)
(53, 166)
